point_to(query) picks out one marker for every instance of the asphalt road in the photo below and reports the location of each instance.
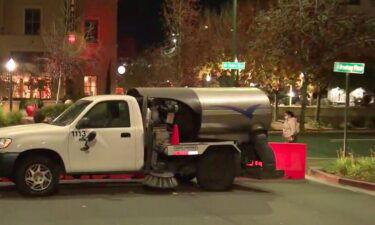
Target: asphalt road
(251, 202)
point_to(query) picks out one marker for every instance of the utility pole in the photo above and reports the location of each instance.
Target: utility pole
(234, 39)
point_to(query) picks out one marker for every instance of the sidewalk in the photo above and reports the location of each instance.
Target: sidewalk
(277, 127)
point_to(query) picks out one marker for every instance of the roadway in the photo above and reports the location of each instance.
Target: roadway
(251, 202)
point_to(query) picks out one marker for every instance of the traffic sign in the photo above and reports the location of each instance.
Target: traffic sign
(233, 65)
(344, 67)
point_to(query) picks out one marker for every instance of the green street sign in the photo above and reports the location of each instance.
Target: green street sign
(344, 67)
(233, 65)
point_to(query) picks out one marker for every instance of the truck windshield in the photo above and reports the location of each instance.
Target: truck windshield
(69, 115)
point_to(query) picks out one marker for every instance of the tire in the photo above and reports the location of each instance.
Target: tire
(37, 176)
(217, 170)
(185, 178)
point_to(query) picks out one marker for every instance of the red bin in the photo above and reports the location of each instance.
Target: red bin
(290, 157)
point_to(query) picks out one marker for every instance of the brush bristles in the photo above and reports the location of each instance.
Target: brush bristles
(160, 181)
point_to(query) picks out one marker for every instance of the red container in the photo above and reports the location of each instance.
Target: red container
(30, 109)
(290, 157)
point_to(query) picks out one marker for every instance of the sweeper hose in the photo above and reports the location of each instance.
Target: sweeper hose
(264, 152)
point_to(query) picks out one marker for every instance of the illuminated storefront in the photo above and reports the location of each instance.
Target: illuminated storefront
(90, 87)
(27, 86)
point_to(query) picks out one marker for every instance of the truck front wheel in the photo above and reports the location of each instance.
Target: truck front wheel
(217, 170)
(37, 176)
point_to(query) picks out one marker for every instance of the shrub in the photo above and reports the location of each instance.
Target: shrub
(25, 102)
(39, 117)
(10, 119)
(342, 125)
(2, 117)
(52, 111)
(370, 123)
(317, 125)
(359, 168)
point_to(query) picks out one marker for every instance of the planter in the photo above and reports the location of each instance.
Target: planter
(31, 109)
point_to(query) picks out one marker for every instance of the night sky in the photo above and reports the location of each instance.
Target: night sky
(140, 24)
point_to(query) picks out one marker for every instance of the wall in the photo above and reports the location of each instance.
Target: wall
(12, 37)
(357, 116)
(106, 13)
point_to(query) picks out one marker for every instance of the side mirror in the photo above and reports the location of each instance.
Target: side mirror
(83, 123)
(91, 136)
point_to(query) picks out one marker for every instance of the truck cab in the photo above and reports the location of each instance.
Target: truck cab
(118, 145)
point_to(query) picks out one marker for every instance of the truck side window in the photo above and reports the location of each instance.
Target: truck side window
(110, 114)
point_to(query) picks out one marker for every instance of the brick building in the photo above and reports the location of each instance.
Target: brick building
(22, 23)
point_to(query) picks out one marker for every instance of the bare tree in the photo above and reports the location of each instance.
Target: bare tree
(65, 45)
(181, 21)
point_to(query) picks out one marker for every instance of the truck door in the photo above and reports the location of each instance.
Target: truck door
(114, 148)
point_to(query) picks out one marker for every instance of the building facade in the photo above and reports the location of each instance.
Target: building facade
(23, 32)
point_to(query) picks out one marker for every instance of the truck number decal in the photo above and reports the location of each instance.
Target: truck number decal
(79, 133)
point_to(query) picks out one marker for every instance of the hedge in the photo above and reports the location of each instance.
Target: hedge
(51, 111)
(35, 101)
(10, 118)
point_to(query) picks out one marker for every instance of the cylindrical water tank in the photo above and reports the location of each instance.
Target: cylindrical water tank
(216, 113)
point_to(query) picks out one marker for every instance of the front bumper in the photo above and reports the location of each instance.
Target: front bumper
(7, 163)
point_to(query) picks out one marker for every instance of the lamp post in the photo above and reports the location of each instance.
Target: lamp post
(10, 66)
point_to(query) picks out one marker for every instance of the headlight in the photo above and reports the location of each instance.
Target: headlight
(5, 142)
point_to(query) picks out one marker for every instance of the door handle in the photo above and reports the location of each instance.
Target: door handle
(125, 135)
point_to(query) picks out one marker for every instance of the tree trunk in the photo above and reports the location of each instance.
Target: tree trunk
(58, 89)
(303, 105)
(318, 105)
(276, 107)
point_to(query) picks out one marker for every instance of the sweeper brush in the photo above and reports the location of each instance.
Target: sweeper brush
(164, 180)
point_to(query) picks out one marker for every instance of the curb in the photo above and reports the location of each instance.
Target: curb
(333, 131)
(333, 179)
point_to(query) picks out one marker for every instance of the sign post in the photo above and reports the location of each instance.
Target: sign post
(347, 68)
(347, 99)
(238, 66)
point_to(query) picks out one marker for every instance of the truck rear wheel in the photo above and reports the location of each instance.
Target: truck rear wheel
(217, 170)
(37, 176)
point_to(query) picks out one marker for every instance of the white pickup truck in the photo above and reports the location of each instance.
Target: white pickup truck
(131, 133)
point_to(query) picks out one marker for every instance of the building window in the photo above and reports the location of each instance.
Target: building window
(27, 86)
(354, 2)
(32, 21)
(90, 85)
(91, 31)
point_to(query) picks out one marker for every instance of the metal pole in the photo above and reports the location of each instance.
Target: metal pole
(234, 39)
(347, 99)
(10, 92)
(234, 32)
